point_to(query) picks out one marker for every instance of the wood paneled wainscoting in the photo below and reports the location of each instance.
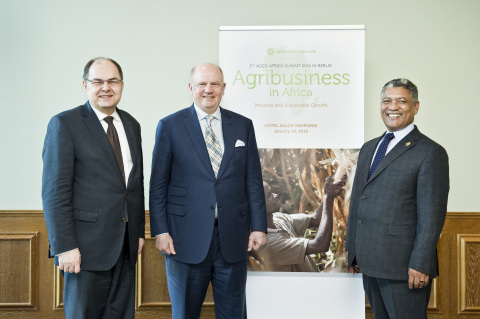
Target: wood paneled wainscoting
(31, 286)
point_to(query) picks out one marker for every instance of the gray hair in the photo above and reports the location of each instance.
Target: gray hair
(404, 83)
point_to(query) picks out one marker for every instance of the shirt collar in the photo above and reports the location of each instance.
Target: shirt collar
(400, 134)
(101, 115)
(202, 114)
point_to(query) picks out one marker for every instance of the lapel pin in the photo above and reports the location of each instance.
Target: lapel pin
(407, 144)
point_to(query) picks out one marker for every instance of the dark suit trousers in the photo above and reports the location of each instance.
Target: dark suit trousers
(102, 294)
(188, 284)
(392, 299)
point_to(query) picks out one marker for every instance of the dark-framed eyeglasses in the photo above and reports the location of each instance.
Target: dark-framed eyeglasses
(110, 83)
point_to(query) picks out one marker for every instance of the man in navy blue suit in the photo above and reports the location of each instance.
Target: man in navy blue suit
(93, 197)
(207, 206)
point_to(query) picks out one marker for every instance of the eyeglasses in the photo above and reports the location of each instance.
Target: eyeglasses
(111, 83)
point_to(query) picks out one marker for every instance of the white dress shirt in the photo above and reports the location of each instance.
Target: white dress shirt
(399, 135)
(122, 136)
(216, 124)
(216, 127)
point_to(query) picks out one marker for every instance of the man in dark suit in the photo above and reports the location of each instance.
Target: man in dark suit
(397, 209)
(207, 207)
(93, 197)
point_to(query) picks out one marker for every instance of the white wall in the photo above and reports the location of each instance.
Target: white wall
(44, 46)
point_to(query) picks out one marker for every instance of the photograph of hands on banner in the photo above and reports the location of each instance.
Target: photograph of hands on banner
(307, 194)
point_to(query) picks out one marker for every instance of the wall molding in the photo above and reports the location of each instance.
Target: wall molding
(37, 289)
(23, 246)
(468, 252)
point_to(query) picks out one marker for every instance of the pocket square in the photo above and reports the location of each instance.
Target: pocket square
(239, 143)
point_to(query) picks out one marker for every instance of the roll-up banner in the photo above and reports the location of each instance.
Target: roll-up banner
(303, 88)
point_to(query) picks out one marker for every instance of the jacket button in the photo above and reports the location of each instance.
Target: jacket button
(217, 183)
(124, 219)
(212, 207)
(359, 222)
(363, 197)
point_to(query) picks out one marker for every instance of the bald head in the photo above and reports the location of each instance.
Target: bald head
(203, 66)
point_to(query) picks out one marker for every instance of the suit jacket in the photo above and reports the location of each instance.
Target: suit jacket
(184, 190)
(84, 196)
(396, 217)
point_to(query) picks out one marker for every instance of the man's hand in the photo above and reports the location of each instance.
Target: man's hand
(256, 240)
(417, 279)
(70, 261)
(164, 243)
(354, 269)
(334, 188)
(141, 243)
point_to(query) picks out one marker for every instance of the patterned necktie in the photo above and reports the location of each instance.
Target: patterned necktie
(382, 149)
(213, 146)
(115, 142)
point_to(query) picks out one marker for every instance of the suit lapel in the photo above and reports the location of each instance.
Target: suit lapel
(404, 145)
(369, 149)
(132, 141)
(195, 132)
(228, 129)
(95, 127)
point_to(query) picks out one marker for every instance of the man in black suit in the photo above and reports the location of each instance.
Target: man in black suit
(397, 209)
(93, 197)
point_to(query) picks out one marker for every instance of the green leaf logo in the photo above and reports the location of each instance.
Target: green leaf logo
(270, 51)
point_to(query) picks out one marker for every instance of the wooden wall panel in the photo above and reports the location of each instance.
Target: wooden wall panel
(57, 288)
(468, 247)
(434, 304)
(31, 286)
(448, 289)
(152, 290)
(18, 266)
(29, 223)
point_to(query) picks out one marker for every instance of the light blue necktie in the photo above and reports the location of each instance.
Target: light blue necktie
(382, 149)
